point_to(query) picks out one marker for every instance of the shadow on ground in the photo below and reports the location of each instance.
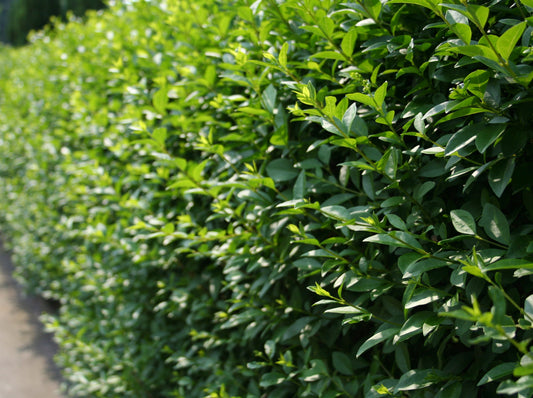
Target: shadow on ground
(27, 368)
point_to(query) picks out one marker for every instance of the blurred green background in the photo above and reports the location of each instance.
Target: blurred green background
(19, 17)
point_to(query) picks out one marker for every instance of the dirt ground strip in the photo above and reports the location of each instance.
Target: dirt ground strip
(27, 369)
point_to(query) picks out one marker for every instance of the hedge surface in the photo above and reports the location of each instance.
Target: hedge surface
(307, 198)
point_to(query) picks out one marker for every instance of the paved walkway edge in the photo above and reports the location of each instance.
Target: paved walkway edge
(27, 369)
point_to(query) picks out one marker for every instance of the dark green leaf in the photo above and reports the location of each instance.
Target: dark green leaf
(281, 170)
(495, 224)
(500, 175)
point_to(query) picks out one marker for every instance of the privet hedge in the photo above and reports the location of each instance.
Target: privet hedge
(307, 198)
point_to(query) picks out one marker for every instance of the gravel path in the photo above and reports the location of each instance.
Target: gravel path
(27, 369)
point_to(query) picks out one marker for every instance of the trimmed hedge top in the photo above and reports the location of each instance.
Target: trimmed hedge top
(307, 198)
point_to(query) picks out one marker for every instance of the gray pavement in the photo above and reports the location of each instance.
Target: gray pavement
(27, 369)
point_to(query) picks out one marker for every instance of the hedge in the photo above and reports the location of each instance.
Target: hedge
(19, 17)
(307, 198)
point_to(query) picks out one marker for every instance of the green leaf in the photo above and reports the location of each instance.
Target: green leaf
(362, 98)
(329, 55)
(528, 306)
(345, 310)
(414, 324)
(342, 363)
(473, 270)
(283, 55)
(463, 31)
(499, 304)
(296, 327)
(281, 170)
(507, 42)
(160, 135)
(418, 267)
(487, 134)
(336, 212)
(379, 95)
(270, 348)
(495, 224)
(461, 139)
(271, 379)
(431, 4)
(463, 222)
(396, 222)
(269, 98)
(373, 7)
(376, 339)
(476, 82)
(510, 263)
(500, 176)
(423, 298)
(348, 42)
(416, 379)
(300, 186)
(160, 100)
(480, 14)
(497, 372)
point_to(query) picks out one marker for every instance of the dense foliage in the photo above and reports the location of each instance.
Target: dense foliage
(307, 198)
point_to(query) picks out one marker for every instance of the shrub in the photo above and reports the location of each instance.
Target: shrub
(299, 198)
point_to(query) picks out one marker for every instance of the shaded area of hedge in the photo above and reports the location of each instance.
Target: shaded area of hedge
(19, 17)
(301, 198)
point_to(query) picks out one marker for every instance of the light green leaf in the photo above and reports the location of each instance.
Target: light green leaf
(329, 55)
(373, 7)
(507, 42)
(348, 42)
(476, 82)
(462, 31)
(379, 95)
(362, 98)
(431, 4)
(283, 55)
(463, 222)
(160, 135)
(160, 100)
(480, 14)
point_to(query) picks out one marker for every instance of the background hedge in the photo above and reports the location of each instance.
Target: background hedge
(304, 198)
(19, 17)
